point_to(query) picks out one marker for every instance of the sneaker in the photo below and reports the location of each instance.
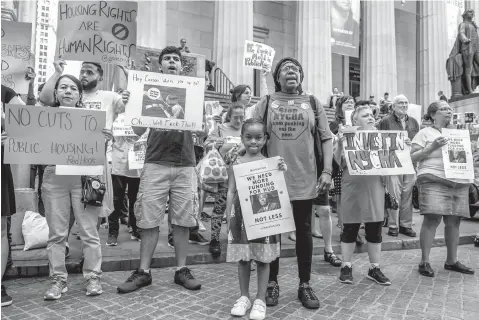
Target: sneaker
(93, 287)
(55, 291)
(393, 232)
(137, 280)
(407, 232)
(272, 294)
(6, 299)
(240, 307)
(197, 238)
(425, 269)
(307, 296)
(376, 275)
(332, 259)
(67, 250)
(112, 240)
(215, 248)
(346, 275)
(201, 226)
(130, 230)
(104, 225)
(184, 278)
(136, 236)
(170, 241)
(258, 311)
(124, 220)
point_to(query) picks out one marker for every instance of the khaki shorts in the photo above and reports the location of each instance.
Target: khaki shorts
(157, 182)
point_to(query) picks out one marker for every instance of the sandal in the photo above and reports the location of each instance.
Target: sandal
(332, 259)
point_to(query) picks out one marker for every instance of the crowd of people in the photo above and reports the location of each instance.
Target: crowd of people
(314, 167)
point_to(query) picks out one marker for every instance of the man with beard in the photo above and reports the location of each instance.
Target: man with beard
(296, 122)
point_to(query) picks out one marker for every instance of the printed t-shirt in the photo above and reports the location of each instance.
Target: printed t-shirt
(171, 148)
(291, 125)
(434, 163)
(103, 100)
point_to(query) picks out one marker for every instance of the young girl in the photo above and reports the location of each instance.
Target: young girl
(262, 250)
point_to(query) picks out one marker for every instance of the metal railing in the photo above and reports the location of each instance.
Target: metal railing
(221, 82)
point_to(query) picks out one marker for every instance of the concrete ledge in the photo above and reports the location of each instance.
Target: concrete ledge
(36, 268)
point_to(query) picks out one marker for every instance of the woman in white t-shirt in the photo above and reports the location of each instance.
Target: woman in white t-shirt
(439, 197)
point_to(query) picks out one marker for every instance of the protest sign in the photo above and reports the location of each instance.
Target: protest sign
(98, 31)
(119, 128)
(16, 54)
(258, 55)
(232, 140)
(44, 135)
(345, 17)
(136, 155)
(212, 109)
(457, 154)
(415, 111)
(377, 153)
(165, 101)
(469, 117)
(61, 170)
(264, 198)
(347, 117)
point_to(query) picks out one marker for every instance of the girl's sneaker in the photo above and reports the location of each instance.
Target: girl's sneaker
(241, 306)
(258, 312)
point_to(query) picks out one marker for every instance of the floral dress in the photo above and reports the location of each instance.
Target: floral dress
(264, 250)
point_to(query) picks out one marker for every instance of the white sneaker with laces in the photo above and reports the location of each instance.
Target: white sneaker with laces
(241, 306)
(258, 312)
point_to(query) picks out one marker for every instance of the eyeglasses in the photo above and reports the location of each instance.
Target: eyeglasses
(290, 68)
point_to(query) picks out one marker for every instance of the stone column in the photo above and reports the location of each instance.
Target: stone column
(314, 47)
(473, 4)
(233, 24)
(378, 50)
(151, 28)
(433, 52)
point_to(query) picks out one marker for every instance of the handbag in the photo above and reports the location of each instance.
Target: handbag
(212, 168)
(415, 197)
(390, 201)
(93, 191)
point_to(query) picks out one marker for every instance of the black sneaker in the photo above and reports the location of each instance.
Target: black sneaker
(112, 240)
(215, 248)
(425, 269)
(137, 280)
(332, 259)
(6, 299)
(346, 275)
(407, 232)
(393, 232)
(184, 278)
(272, 294)
(376, 275)
(170, 241)
(307, 297)
(197, 238)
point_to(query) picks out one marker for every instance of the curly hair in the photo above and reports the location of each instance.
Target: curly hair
(169, 50)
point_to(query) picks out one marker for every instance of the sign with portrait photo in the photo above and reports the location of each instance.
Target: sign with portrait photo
(377, 153)
(457, 154)
(97, 31)
(264, 198)
(165, 101)
(16, 55)
(136, 155)
(345, 17)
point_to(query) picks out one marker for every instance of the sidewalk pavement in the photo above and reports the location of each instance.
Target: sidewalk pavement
(126, 255)
(447, 296)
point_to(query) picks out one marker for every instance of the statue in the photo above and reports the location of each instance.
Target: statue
(463, 63)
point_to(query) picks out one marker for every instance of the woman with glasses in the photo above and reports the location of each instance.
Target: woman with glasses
(440, 198)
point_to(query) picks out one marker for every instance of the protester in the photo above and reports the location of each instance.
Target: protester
(362, 202)
(216, 139)
(240, 249)
(61, 194)
(302, 178)
(334, 97)
(8, 190)
(441, 198)
(169, 170)
(400, 186)
(240, 95)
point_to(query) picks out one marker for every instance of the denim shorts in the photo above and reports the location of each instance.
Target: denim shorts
(442, 197)
(157, 183)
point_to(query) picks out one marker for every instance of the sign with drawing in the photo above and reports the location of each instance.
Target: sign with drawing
(165, 101)
(16, 55)
(98, 31)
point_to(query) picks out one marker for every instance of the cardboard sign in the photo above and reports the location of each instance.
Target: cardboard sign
(258, 55)
(377, 153)
(16, 54)
(347, 117)
(45, 135)
(212, 109)
(97, 31)
(119, 128)
(136, 155)
(165, 101)
(457, 154)
(264, 198)
(79, 170)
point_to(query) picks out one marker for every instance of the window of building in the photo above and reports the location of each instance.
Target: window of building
(45, 47)
(41, 46)
(43, 7)
(48, 8)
